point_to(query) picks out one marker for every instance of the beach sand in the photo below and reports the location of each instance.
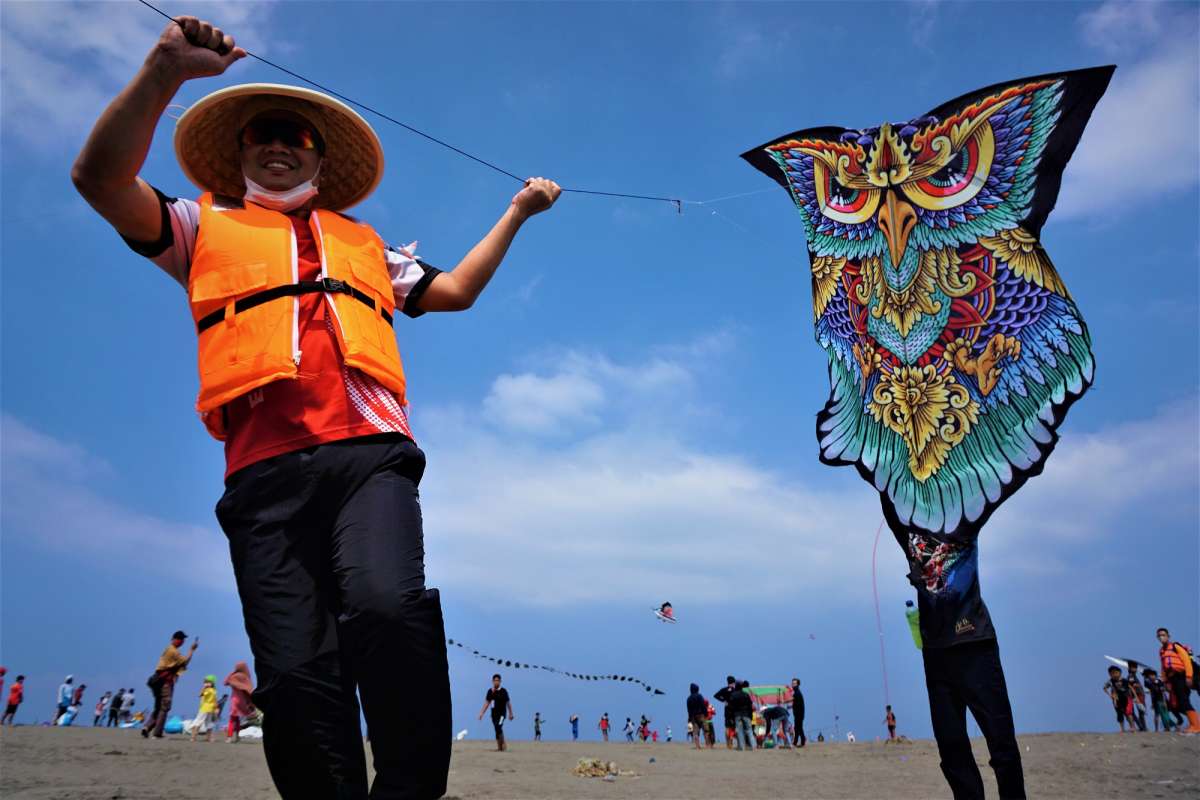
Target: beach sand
(95, 764)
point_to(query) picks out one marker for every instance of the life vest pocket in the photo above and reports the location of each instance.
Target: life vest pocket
(229, 283)
(374, 279)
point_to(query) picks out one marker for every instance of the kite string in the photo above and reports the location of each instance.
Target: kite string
(887, 698)
(678, 203)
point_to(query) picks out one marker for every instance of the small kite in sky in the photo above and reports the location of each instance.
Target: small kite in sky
(665, 613)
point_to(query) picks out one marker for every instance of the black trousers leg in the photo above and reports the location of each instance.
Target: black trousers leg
(987, 697)
(948, 712)
(391, 628)
(280, 557)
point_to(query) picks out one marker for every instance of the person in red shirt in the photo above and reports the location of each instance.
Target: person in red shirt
(15, 695)
(301, 378)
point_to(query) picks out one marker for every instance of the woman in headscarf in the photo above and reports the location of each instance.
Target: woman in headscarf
(240, 703)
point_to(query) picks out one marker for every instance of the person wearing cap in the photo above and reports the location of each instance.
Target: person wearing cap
(171, 664)
(301, 377)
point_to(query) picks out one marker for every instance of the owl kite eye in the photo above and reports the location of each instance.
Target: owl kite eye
(841, 203)
(960, 179)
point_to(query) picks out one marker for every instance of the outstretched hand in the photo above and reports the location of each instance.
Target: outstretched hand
(193, 48)
(537, 196)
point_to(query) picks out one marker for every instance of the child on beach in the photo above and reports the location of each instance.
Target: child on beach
(240, 703)
(1137, 696)
(628, 730)
(890, 721)
(1117, 688)
(207, 715)
(1158, 699)
(15, 695)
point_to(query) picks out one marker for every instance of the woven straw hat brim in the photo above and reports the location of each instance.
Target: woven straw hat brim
(206, 143)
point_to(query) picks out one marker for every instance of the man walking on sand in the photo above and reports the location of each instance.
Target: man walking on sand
(1177, 673)
(300, 376)
(697, 709)
(171, 664)
(497, 698)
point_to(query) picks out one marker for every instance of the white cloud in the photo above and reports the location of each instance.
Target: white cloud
(1141, 142)
(53, 495)
(1117, 26)
(63, 62)
(1090, 480)
(634, 503)
(536, 404)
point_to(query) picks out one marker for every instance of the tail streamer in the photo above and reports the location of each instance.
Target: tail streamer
(579, 676)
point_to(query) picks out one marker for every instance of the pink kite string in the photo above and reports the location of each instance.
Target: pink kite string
(887, 697)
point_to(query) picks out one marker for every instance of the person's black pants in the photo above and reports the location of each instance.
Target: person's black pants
(970, 676)
(328, 551)
(798, 738)
(1180, 692)
(498, 727)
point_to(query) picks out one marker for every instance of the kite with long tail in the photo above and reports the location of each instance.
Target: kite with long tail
(954, 347)
(579, 676)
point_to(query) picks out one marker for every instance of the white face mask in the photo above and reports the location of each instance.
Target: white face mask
(283, 201)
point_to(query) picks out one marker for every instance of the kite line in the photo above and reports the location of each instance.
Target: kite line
(677, 202)
(887, 697)
(502, 662)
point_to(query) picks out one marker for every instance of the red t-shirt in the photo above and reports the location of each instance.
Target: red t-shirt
(16, 694)
(326, 402)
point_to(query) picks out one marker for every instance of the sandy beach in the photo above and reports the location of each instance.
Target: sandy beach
(86, 764)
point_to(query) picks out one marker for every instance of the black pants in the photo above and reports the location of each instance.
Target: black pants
(498, 727)
(328, 551)
(1180, 692)
(798, 738)
(970, 676)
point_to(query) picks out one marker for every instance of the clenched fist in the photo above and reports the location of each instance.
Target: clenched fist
(192, 48)
(537, 196)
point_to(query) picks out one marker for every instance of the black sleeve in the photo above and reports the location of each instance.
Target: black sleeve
(166, 235)
(413, 299)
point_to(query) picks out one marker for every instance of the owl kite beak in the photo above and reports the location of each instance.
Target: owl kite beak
(896, 219)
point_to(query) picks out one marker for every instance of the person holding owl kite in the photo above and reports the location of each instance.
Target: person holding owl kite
(954, 349)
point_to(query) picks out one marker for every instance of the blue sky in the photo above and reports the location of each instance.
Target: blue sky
(626, 416)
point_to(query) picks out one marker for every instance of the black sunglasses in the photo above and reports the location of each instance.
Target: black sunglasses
(291, 134)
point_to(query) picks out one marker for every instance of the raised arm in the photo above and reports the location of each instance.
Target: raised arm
(106, 170)
(458, 289)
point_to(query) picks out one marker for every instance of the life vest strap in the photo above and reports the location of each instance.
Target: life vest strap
(331, 285)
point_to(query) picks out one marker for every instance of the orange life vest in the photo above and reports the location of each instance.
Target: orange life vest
(244, 290)
(1175, 658)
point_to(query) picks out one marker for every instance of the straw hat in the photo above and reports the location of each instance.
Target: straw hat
(207, 134)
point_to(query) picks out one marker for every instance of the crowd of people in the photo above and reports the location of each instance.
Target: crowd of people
(1168, 695)
(116, 708)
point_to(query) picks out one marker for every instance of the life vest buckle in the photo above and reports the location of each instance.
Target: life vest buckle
(336, 286)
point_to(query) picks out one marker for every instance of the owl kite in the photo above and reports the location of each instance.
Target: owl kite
(954, 347)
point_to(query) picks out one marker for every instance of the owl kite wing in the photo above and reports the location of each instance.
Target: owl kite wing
(954, 347)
